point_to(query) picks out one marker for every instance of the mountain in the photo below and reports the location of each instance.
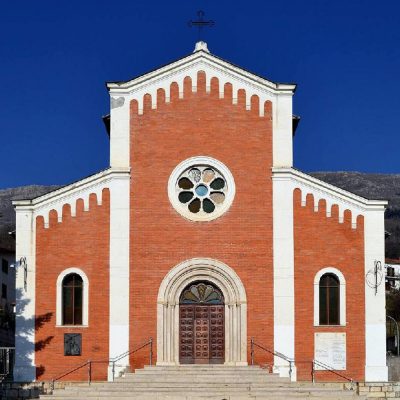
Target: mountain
(370, 186)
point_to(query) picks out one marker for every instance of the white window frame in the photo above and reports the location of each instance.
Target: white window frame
(192, 162)
(342, 295)
(85, 297)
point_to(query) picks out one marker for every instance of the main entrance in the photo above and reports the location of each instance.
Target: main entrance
(201, 324)
(201, 282)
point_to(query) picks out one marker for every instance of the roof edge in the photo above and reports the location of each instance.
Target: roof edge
(199, 54)
(334, 190)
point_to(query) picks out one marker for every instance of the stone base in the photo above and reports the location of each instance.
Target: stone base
(116, 371)
(376, 373)
(284, 371)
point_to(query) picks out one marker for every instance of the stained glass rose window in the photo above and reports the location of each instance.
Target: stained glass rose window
(201, 191)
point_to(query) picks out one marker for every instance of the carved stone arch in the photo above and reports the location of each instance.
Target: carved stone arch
(226, 279)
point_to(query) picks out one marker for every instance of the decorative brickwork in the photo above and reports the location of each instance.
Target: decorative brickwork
(200, 123)
(80, 241)
(319, 242)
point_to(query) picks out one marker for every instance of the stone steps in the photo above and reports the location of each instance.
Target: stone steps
(216, 382)
(162, 386)
(211, 396)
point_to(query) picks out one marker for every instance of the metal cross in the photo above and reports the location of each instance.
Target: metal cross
(200, 23)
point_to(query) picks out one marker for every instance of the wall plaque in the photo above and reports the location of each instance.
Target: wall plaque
(72, 344)
(330, 349)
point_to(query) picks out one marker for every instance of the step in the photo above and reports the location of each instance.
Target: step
(198, 378)
(163, 396)
(199, 382)
(132, 386)
(200, 390)
(191, 373)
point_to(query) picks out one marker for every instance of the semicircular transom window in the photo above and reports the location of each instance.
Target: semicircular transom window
(201, 293)
(202, 192)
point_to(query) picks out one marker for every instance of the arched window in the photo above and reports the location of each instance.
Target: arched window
(329, 300)
(72, 296)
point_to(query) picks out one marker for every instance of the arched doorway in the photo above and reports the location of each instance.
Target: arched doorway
(201, 324)
(223, 278)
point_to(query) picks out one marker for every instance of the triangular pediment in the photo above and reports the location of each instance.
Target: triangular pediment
(200, 60)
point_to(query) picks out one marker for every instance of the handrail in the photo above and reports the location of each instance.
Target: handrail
(330, 369)
(110, 360)
(275, 353)
(292, 361)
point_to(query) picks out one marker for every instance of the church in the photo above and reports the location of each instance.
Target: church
(201, 241)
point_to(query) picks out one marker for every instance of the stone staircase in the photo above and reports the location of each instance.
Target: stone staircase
(196, 382)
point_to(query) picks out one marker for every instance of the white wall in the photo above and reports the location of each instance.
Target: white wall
(24, 370)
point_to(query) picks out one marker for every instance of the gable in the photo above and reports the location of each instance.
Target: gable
(256, 91)
(190, 66)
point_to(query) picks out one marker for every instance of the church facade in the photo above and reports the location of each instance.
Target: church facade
(202, 236)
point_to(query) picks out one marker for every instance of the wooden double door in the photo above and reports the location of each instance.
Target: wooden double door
(201, 334)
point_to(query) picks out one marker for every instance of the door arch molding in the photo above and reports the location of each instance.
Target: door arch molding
(226, 279)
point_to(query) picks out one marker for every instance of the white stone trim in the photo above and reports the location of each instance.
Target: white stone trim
(120, 132)
(342, 294)
(375, 313)
(282, 132)
(41, 206)
(233, 72)
(283, 275)
(201, 160)
(85, 297)
(331, 194)
(119, 271)
(25, 369)
(235, 300)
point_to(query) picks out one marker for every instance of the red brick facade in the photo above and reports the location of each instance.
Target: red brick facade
(319, 242)
(200, 124)
(81, 241)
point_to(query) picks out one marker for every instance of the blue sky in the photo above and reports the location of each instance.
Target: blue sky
(56, 55)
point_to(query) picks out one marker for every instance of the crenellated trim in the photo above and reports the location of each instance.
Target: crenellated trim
(202, 84)
(201, 72)
(68, 196)
(335, 211)
(337, 202)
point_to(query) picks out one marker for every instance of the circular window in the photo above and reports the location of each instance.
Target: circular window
(201, 188)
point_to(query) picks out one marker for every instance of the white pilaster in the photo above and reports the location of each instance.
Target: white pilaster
(283, 248)
(119, 132)
(119, 270)
(375, 316)
(25, 369)
(283, 131)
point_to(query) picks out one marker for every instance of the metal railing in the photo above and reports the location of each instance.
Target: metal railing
(112, 361)
(290, 361)
(7, 359)
(329, 369)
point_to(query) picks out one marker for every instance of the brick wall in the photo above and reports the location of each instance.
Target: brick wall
(200, 124)
(83, 242)
(319, 242)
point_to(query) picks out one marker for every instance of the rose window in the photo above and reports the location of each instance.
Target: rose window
(201, 191)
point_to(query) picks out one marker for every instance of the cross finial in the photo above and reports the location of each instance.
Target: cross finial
(201, 23)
